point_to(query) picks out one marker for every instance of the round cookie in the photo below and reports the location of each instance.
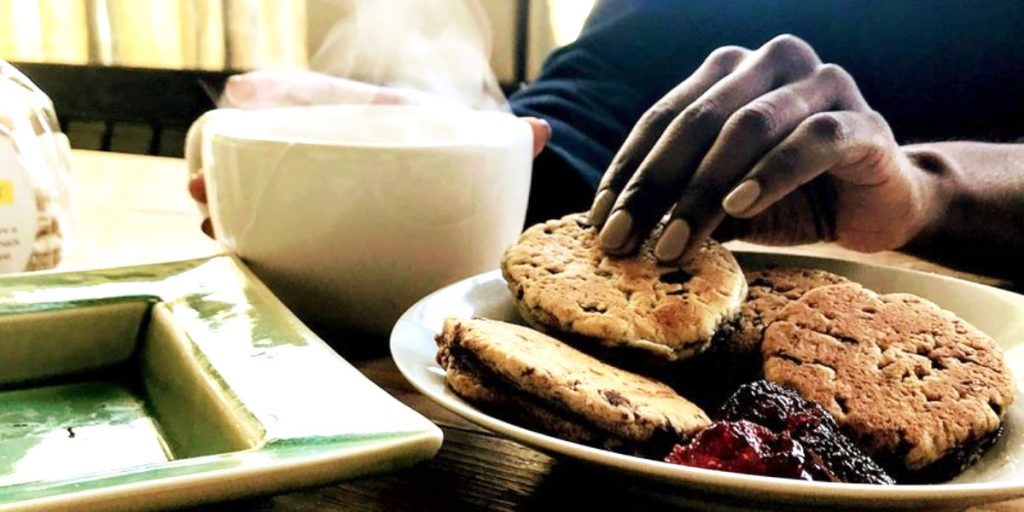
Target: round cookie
(562, 281)
(770, 290)
(916, 386)
(531, 374)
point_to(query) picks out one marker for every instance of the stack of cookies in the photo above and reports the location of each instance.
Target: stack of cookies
(916, 388)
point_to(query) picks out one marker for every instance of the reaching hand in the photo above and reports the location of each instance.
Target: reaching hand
(781, 147)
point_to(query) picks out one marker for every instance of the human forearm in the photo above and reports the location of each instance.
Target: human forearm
(976, 192)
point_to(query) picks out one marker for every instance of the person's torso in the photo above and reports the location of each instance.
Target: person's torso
(936, 69)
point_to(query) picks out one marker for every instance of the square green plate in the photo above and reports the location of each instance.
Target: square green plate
(179, 383)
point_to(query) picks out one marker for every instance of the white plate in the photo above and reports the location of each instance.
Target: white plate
(999, 476)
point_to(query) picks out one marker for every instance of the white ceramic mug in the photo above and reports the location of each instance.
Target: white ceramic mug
(351, 213)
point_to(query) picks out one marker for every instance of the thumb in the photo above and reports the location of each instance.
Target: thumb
(541, 133)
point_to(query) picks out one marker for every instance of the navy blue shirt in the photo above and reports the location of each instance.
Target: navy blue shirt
(935, 69)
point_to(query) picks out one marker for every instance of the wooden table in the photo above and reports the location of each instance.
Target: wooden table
(134, 210)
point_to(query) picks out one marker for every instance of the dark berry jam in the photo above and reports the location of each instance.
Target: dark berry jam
(784, 411)
(745, 447)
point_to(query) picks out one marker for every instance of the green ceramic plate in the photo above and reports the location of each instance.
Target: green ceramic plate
(149, 387)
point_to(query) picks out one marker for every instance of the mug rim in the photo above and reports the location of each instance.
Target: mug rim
(504, 124)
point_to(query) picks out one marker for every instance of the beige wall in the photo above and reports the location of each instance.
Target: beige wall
(258, 33)
(21, 35)
(501, 14)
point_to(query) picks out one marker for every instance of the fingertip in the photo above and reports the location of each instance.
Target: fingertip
(207, 227)
(673, 242)
(739, 202)
(623, 251)
(617, 232)
(603, 203)
(197, 188)
(541, 133)
(238, 90)
(630, 246)
(378, 95)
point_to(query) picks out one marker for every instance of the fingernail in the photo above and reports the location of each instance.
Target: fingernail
(629, 248)
(207, 227)
(741, 198)
(546, 125)
(547, 137)
(602, 206)
(541, 133)
(616, 232)
(673, 241)
(238, 90)
(197, 188)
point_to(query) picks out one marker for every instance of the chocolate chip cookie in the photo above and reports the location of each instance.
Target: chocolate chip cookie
(521, 373)
(919, 388)
(563, 282)
(770, 290)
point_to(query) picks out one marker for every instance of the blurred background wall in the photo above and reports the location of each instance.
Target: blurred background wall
(132, 75)
(244, 34)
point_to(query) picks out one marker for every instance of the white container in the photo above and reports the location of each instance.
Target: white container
(35, 185)
(351, 213)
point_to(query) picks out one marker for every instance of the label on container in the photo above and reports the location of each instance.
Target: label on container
(18, 216)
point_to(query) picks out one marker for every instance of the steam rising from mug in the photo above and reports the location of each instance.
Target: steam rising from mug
(435, 46)
(433, 51)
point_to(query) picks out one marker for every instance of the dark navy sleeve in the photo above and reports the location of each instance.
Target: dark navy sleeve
(592, 92)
